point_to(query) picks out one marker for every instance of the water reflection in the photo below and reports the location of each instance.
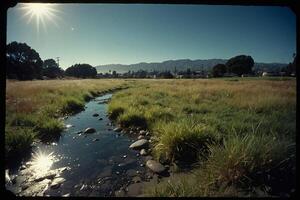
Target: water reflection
(42, 162)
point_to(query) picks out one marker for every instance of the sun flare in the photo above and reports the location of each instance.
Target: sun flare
(42, 162)
(41, 12)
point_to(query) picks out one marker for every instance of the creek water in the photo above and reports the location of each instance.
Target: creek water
(98, 164)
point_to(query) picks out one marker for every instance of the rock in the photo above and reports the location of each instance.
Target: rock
(66, 195)
(22, 167)
(100, 118)
(7, 177)
(139, 144)
(36, 189)
(141, 137)
(120, 193)
(118, 129)
(142, 165)
(136, 179)
(49, 175)
(155, 166)
(125, 156)
(134, 189)
(131, 172)
(142, 132)
(148, 158)
(69, 126)
(95, 115)
(130, 132)
(57, 182)
(143, 152)
(96, 139)
(79, 132)
(89, 130)
(147, 133)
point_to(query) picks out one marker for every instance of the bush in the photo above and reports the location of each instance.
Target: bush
(17, 140)
(71, 105)
(115, 112)
(132, 118)
(182, 140)
(48, 129)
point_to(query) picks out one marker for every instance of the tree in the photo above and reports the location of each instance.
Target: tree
(219, 70)
(51, 69)
(23, 62)
(239, 65)
(81, 71)
(114, 74)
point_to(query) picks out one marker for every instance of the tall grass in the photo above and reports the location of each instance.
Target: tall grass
(33, 108)
(216, 121)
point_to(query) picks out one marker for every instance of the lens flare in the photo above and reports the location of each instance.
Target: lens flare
(42, 162)
(41, 12)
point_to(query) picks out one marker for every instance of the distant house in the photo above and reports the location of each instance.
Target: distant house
(269, 74)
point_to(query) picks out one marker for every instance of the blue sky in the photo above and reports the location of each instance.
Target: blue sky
(118, 33)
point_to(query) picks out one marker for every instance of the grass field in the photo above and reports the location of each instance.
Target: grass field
(239, 132)
(33, 108)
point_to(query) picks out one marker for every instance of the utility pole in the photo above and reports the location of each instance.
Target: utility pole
(57, 61)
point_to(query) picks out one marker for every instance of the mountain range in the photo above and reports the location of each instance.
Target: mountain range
(181, 65)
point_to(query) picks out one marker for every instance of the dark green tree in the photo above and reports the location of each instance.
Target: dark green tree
(81, 71)
(219, 70)
(22, 62)
(239, 65)
(51, 69)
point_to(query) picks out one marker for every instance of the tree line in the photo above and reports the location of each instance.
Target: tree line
(24, 63)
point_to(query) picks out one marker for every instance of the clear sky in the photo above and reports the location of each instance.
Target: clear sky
(126, 34)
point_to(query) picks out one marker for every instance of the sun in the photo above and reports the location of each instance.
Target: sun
(41, 12)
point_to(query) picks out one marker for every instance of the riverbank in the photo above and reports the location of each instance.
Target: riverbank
(239, 135)
(34, 109)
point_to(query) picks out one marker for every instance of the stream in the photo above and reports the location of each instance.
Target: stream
(78, 164)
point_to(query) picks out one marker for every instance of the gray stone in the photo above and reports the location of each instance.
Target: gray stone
(66, 195)
(135, 189)
(142, 132)
(89, 130)
(131, 172)
(141, 137)
(96, 139)
(100, 118)
(57, 182)
(148, 158)
(49, 175)
(118, 129)
(136, 179)
(139, 144)
(120, 193)
(95, 115)
(155, 166)
(143, 152)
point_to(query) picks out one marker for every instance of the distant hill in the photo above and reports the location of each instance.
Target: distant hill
(180, 65)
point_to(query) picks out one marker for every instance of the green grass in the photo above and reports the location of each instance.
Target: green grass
(232, 129)
(33, 108)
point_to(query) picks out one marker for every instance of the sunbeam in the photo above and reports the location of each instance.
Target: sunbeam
(41, 12)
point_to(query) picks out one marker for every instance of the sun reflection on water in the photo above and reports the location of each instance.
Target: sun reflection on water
(42, 162)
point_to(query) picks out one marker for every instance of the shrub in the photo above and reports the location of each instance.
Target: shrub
(17, 140)
(182, 140)
(132, 118)
(48, 129)
(71, 105)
